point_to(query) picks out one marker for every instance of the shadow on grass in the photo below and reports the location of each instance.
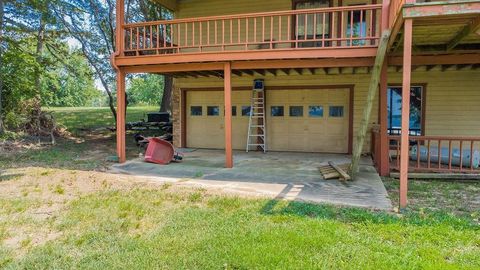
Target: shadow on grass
(281, 207)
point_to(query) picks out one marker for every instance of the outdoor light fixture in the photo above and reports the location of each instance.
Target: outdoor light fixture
(258, 85)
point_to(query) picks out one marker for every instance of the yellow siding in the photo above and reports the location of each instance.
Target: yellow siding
(452, 98)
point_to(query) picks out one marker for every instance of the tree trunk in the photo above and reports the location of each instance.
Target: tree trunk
(166, 105)
(1, 63)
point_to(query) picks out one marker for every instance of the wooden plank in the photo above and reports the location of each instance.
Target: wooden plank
(443, 9)
(372, 91)
(342, 173)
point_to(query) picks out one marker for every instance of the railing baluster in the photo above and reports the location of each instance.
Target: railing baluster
(351, 28)
(231, 31)
(418, 154)
(239, 30)
(216, 32)
(339, 43)
(461, 155)
(164, 35)
(398, 154)
(271, 32)
(305, 27)
(323, 29)
(280, 28)
(193, 34)
(315, 26)
(361, 28)
(428, 154)
(263, 29)
(186, 34)
(450, 154)
(439, 154)
(471, 155)
(255, 30)
(246, 34)
(289, 28)
(138, 39)
(200, 38)
(144, 43)
(223, 35)
(208, 32)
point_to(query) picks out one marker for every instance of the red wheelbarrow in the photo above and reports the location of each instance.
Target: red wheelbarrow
(161, 152)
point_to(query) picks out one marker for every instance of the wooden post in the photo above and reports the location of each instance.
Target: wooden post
(372, 91)
(404, 145)
(383, 132)
(120, 21)
(121, 116)
(228, 114)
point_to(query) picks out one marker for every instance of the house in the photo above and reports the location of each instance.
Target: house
(316, 58)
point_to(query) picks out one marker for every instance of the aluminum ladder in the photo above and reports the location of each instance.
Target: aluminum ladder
(257, 129)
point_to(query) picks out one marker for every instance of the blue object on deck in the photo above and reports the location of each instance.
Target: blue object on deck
(444, 159)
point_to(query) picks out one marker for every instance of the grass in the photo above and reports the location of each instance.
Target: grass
(58, 211)
(177, 229)
(77, 119)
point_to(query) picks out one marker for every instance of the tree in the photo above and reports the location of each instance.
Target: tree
(145, 89)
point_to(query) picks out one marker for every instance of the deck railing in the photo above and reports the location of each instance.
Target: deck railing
(438, 154)
(338, 27)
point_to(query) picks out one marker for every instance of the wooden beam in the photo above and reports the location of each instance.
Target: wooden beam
(421, 60)
(463, 66)
(286, 71)
(367, 111)
(473, 26)
(441, 9)
(228, 115)
(404, 143)
(246, 56)
(299, 71)
(430, 67)
(286, 65)
(121, 111)
(383, 160)
(326, 70)
(165, 68)
(237, 72)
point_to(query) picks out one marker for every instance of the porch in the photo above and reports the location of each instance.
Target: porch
(291, 176)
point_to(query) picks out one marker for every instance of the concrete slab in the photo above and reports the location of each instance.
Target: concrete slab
(282, 175)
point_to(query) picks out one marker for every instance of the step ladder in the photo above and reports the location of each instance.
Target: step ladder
(257, 129)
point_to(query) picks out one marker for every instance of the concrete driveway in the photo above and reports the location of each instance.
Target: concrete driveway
(282, 175)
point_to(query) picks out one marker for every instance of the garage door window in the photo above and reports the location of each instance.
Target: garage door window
(277, 110)
(213, 110)
(296, 111)
(245, 110)
(315, 111)
(196, 110)
(336, 111)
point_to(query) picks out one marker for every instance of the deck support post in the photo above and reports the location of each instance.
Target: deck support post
(228, 114)
(121, 109)
(383, 161)
(404, 144)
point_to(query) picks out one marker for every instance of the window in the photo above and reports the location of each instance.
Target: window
(246, 110)
(306, 28)
(213, 110)
(358, 28)
(335, 111)
(315, 111)
(196, 110)
(277, 110)
(394, 110)
(296, 111)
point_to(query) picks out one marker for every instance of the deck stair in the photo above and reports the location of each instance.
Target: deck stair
(257, 129)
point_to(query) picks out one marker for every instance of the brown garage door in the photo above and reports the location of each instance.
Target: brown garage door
(297, 120)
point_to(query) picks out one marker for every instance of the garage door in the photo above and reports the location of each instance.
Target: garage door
(205, 119)
(308, 120)
(297, 120)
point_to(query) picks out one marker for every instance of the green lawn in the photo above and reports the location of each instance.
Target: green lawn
(75, 119)
(59, 212)
(166, 227)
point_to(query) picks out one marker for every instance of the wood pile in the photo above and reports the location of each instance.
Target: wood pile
(334, 171)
